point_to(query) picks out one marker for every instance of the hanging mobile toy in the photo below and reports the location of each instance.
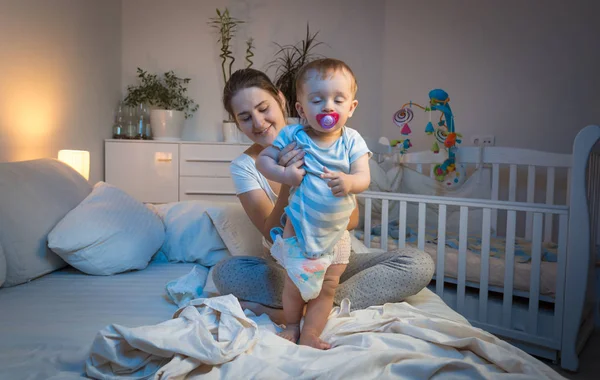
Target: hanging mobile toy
(401, 118)
(444, 134)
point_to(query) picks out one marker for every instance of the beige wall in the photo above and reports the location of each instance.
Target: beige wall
(526, 76)
(60, 77)
(161, 36)
(524, 71)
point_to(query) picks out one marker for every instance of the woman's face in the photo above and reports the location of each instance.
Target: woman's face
(258, 115)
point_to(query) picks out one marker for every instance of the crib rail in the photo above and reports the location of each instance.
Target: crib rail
(541, 213)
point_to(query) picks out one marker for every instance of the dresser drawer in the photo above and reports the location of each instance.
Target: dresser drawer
(211, 152)
(206, 188)
(147, 171)
(208, 160)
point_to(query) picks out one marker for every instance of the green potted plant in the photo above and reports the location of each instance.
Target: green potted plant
(169, 102)
(226, 27)
(288, 60)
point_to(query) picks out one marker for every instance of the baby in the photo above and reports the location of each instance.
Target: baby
(315, 246)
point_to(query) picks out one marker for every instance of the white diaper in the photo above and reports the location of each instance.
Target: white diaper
(307, 274)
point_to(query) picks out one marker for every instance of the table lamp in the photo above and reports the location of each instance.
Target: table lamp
(77, 159)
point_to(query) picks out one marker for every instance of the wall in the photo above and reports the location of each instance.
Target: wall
(160, 36)
(60, 65)
(524, 71)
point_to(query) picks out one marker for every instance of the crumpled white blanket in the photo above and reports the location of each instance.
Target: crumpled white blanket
(208, 331)
(390, 341)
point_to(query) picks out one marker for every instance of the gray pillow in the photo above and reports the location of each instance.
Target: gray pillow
(34, 196)
(2, 267)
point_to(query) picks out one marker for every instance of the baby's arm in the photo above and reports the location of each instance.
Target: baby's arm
(360, 174)
(355, 182)
(267, 164)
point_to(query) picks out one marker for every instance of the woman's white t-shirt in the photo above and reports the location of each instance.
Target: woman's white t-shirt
(247, 178)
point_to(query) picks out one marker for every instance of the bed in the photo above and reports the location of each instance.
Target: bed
(62, 315)
(520, 266)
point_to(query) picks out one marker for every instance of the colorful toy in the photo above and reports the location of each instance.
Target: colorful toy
(444, 134)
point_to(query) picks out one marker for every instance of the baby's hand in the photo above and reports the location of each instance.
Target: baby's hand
(340, 183)
(294, 173)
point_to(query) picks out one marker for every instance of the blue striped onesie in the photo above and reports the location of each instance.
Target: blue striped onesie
(318, 217)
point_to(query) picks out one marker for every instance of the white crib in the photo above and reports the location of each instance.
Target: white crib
(552, 325)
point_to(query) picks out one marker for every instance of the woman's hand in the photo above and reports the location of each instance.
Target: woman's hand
(290, 155)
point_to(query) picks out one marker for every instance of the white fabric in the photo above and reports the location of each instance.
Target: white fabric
(186, 288)
(108, 232)
(394, 340)
(48, 325)
(190, 236)
(2, 267)
(213, 331)
(206, 232)
(247, 178)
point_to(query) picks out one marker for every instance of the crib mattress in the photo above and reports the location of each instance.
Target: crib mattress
(48, 325)
(522, 272)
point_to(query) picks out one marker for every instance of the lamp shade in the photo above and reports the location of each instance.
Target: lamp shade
(78, 160)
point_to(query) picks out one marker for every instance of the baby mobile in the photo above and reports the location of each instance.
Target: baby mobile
(444, 133)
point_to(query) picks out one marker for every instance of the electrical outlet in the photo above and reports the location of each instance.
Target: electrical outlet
(483, 140)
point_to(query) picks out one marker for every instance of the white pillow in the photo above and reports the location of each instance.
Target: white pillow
(240, 236)
(190, 235)
(2, 266)
(108, 232)
(206, 232)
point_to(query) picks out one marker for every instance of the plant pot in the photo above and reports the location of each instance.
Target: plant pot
(230, 132)
(167, 125)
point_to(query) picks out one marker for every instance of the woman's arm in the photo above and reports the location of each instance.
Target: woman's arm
(263, 214)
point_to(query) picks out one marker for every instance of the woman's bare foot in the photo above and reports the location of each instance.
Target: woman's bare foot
(291, 332)
(308, 338)
(276, 315)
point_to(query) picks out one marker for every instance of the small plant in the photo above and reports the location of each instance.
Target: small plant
(168, 92)
(226, 26)
(249, 53)
(289, 59)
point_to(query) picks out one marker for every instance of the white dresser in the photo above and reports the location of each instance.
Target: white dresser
(164, 171)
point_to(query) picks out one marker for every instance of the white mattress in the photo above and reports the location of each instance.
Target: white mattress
(47, 325)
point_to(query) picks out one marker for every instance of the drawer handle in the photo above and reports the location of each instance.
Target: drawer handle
(164, 159)
(206, 160)
(198, 192)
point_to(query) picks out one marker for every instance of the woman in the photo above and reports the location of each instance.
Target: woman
(258, 109)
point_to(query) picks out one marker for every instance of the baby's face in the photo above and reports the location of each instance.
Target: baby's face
(326, 95)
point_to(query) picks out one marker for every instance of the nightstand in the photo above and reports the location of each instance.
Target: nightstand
(164, 171)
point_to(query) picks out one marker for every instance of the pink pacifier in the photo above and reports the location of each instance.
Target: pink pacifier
(328, 120)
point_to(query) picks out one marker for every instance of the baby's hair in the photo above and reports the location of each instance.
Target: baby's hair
(324, 67)
(248, 78)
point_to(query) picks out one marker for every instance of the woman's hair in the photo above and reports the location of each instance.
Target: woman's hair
(248, 78)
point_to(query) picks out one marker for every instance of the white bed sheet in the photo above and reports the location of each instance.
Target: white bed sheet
(47, 326)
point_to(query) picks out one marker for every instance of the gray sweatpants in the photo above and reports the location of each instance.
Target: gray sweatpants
(370, 278)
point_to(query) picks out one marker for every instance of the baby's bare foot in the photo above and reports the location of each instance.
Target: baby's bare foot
(312, 340)
(291, 332)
